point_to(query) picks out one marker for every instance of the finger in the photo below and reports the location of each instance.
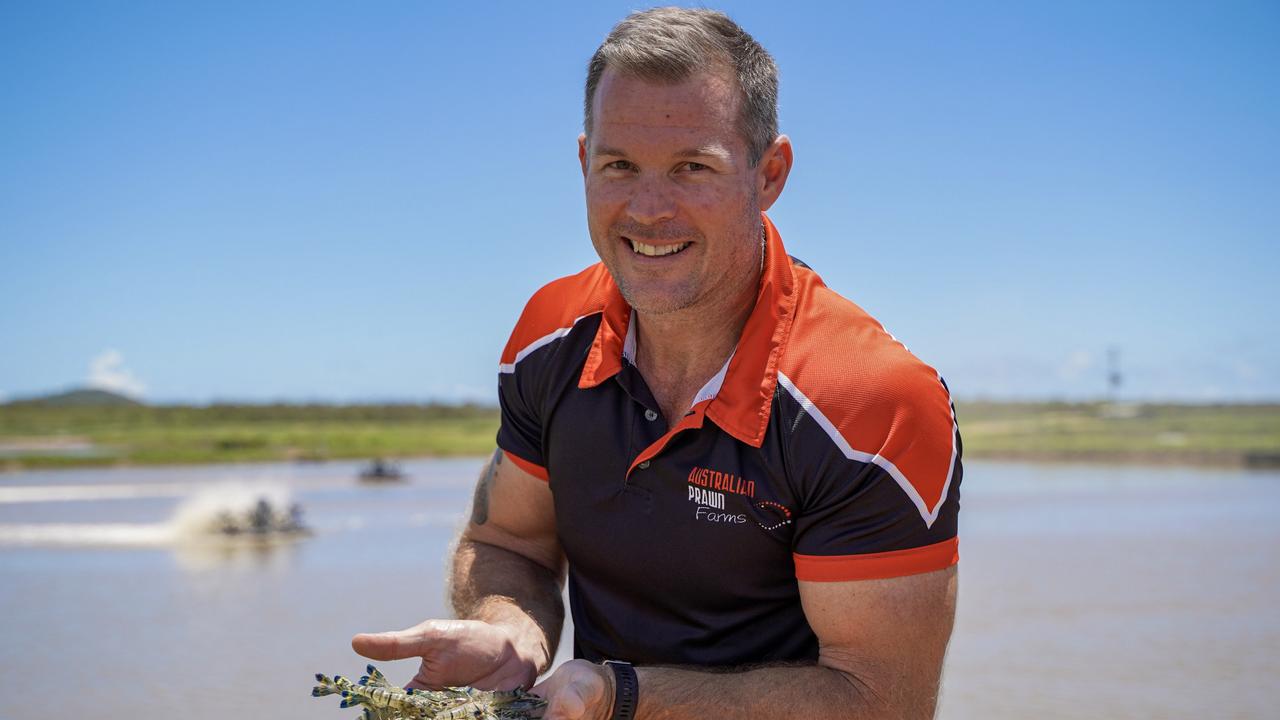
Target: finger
(417, 683)
(427, 680)
(398, 645)
(504, 678)
(510, 681)
(381, 646)
(435, 678)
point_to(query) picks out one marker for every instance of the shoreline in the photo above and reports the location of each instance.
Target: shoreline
(1239, 460)
(1221, 459)
(35, 436)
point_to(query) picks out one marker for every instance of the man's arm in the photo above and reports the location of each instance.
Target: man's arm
(504, 586)
(508, 567)
(881, 646)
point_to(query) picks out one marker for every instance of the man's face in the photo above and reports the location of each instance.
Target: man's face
(672, 201)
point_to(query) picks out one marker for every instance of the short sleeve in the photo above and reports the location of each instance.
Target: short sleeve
(520, 434)
(535, 367)
(880, 484)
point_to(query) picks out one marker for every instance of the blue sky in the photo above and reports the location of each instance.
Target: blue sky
(352, 201)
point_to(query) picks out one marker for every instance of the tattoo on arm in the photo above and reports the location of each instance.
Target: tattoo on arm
(480, 505)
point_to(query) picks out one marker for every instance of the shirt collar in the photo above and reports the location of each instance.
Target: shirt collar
(741, 394)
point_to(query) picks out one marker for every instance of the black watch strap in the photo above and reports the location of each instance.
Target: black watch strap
(626, 690)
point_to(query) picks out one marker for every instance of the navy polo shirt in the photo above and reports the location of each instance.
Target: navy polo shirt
(822, 451)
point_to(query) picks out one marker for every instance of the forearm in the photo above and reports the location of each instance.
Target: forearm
(505, 588)
(770, 693)
(882, 644)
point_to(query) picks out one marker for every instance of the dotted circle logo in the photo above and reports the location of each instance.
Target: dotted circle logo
(780, 514)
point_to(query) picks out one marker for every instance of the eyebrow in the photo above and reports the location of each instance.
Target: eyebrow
(703, 151)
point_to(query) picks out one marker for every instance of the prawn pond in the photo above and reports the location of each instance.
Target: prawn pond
(1087, 591)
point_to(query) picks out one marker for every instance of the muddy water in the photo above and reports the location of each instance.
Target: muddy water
(1086, 591)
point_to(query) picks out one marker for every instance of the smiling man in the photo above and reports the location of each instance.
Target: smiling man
(752, 487)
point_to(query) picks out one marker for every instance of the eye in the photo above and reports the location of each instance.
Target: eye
(620, 165)
(694, 166)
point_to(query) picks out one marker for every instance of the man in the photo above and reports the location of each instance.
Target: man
(753, 485)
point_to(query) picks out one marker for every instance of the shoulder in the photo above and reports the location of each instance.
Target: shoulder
(555, 309)
(838, 352)
(870, 398)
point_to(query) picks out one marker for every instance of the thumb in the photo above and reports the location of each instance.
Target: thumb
(397, 645)
(569, 703)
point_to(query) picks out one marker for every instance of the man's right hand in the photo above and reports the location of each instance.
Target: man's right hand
(457, 653)
(506, 580)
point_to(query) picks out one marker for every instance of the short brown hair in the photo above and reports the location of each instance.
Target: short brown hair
(670, 44)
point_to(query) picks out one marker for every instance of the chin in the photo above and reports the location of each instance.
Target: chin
(656, 298)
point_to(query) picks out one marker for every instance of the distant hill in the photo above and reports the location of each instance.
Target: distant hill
(80, 397)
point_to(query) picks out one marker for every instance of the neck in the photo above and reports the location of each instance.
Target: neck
(678, 352)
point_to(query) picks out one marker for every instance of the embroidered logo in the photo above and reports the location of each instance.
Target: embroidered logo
(779, 515)
(722, 482)
(711, 491)
(708, 491)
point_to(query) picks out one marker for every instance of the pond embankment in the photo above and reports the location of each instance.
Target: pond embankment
(33, 435)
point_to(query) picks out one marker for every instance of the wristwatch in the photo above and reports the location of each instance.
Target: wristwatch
(626, 690)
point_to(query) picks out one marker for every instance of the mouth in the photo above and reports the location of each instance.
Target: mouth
(647, 250)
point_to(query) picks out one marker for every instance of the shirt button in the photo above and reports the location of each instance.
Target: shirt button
(650, 415)
(644, 465)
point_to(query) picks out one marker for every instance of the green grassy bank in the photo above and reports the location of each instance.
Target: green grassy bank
(35, 434)
(1240, 435)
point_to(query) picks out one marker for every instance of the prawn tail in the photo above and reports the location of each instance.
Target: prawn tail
(326, 686)
(350, 699)
(374, 678)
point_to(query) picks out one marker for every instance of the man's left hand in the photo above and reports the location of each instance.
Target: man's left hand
(577, 690)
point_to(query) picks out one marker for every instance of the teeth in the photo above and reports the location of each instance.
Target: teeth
(655, 250)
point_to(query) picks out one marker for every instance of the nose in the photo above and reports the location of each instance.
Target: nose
(650, 202)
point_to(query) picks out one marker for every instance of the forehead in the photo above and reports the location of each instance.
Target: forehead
(701, 108)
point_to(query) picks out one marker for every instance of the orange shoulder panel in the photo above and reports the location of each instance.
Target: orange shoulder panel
(557, 305)
(877, 401)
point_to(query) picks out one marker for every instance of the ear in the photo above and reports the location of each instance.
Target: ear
(582, 152)
(772, 171)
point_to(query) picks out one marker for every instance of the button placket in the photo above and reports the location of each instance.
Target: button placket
(644, 432)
